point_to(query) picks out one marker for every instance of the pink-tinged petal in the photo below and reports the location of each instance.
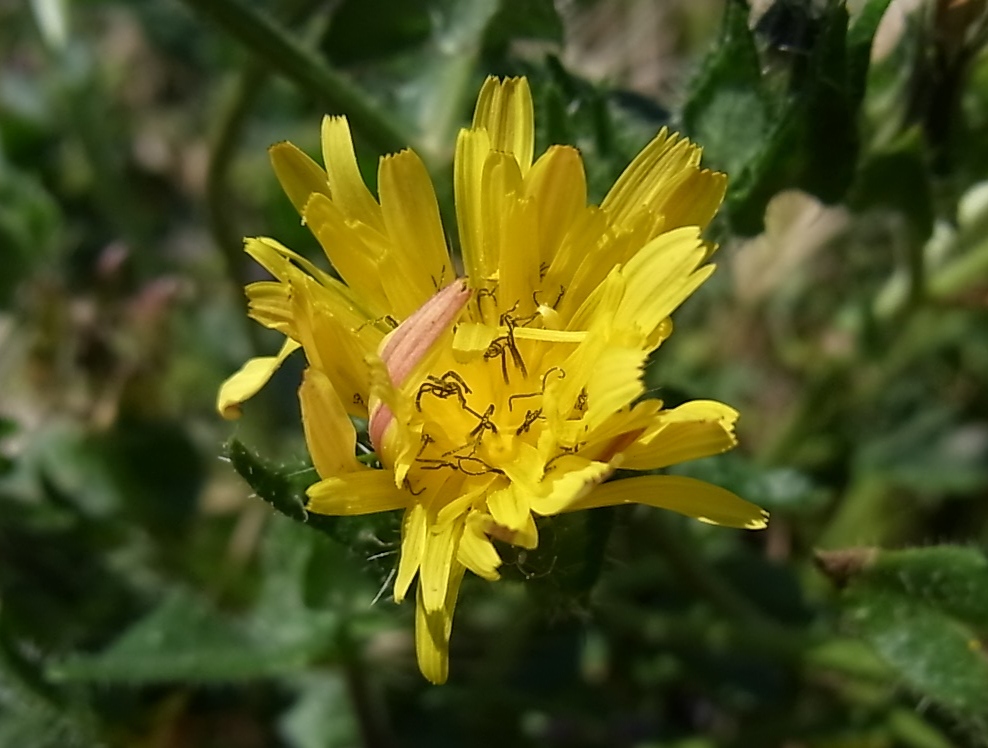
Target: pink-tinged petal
(403, 349)
(414, 337)
(380, 418)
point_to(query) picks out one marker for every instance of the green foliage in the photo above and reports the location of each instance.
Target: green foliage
(159, 589)
(568, 559)
(283, 486)
(185, 639)
(29, 219)
(925, 611)
(181, 640)
(795, 126)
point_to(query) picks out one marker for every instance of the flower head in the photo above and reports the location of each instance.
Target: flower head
(511, 392)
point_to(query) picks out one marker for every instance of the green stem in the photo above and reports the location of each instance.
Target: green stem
(227, 139)
(232, 119)
(805, 417)
(275, 46)
(375, 732)
(917, 272)
(866, 515)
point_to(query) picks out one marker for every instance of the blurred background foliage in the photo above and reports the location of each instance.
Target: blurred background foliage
(149, 598)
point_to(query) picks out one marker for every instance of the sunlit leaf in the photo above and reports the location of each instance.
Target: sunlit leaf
(925, 612)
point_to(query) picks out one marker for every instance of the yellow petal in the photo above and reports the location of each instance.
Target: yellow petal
(333, 345)
(518, 256)
(432, 630)
(585, 239)
(600, 305)
(472, 149)
(286, 265)
(528, 536)
(353, 250)
(269, 303)
(660, 277)
(509, 506)
(462, 503)
(695, 201)
(693, 430)
(413, 531)
(411, 215)
(471, 339)
(558, 185)
(614, 383)
(504, 109)
(521, 462)
(298, 174)
(365, 492)
(546, 336)
(584, 364)
(346, 185)
(329, 432)
(437, 562)
(571, 479)
(476, 551)
(506, 232)
(247, 382)
(636, 420)
(694, 498)
(653, 174)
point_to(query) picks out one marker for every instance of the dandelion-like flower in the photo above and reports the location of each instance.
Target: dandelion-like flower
(512, 390)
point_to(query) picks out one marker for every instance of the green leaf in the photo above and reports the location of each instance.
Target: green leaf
(524, 19)
(185, 639)
(929, 452)
(831, 144)
(321, 716)
(373, 537)
(952, 579)
(282, 486)
(40, 725)
(42, 605)
(397, 26)
(924, 612)
(30, 227)
(934, 656)
(859, 39)
(727, 110)
(793, 125)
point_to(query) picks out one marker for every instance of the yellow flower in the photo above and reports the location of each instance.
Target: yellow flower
(508, 393)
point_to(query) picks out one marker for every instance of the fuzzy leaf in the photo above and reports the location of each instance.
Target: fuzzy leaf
(184, 639)
(793, 125)
(282, 486)
(373, 537)
(924, 611)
